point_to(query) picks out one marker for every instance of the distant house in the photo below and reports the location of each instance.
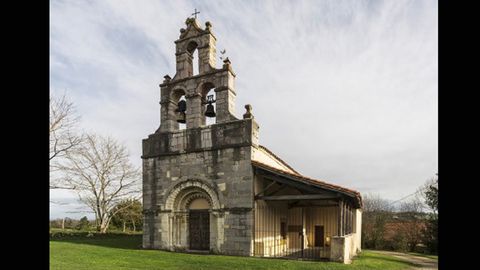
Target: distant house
(405, 226)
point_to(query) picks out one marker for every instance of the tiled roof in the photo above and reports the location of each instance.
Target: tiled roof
(301, 178)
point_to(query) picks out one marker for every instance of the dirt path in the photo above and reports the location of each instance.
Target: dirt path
(422, 263)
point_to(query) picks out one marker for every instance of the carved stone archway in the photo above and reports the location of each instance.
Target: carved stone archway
(190, 186)
(177, 205)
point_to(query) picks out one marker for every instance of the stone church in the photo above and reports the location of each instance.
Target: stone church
(211, 187)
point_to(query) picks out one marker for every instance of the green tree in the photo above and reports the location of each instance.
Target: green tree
(128, 213)
(68, 223)
(83, 224)
(431, 229)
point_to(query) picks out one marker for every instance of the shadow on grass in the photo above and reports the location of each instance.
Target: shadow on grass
(388, 258)
(110, 241)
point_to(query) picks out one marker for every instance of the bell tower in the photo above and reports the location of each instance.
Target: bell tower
(195, 87)
(198, 181)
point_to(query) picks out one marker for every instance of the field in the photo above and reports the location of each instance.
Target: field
(124, 252)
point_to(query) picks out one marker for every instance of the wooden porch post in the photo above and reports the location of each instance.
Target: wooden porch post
(344, 227)
(347, 215)
(340, 217)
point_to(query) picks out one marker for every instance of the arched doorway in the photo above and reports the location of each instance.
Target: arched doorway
(199, 224)
(195, 216)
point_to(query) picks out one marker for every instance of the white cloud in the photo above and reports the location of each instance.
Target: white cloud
(344, 91)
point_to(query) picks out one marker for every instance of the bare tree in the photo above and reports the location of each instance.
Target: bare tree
(412, 222)
(376, 212)
(375, 203)
(63, 137)
(102, 175)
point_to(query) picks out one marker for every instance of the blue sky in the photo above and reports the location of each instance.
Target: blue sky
(344, 91)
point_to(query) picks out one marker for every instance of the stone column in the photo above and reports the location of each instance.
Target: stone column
(164, 226)
(184, 230)
(194, 110)
(225, 104)
(205, 62)
(217, 221)
(184, 65)
(225, 95)
(168, 121)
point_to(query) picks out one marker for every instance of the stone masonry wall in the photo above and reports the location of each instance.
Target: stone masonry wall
(218, 155)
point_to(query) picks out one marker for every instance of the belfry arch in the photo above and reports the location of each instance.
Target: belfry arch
(193, 63)
(206, 89)
(176, 96)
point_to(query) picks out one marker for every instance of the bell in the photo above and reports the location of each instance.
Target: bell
(182, 107)
(181, 117)
(210, 112)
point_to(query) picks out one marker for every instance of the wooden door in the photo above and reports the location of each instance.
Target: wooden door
(319, 236)
(199, 227)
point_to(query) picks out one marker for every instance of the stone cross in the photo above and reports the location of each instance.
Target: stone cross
(195, 13)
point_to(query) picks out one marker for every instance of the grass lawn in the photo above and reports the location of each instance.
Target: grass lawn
(124, 252)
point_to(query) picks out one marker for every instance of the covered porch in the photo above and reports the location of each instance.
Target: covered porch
(302, 218)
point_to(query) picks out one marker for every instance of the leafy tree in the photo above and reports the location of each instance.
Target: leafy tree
(128, 213)
(69, 223)
(83, 224)
(56, 223)
(431, 229)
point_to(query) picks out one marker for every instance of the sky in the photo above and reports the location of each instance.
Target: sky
(343, 91)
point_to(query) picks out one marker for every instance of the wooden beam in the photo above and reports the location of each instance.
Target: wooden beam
(280, 187)
(297, 197)
(312, 203)
(266, 188)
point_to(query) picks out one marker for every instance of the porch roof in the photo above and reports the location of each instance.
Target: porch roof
(355, 195)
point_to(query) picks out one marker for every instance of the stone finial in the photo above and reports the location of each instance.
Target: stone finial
(248, 114)
(227, 63)
(189, 21)
(182, 30)
(166, 78)
(208, 25)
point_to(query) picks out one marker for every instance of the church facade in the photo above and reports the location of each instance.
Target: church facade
(213, 188)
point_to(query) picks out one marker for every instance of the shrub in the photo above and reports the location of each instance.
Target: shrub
(57, 235)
